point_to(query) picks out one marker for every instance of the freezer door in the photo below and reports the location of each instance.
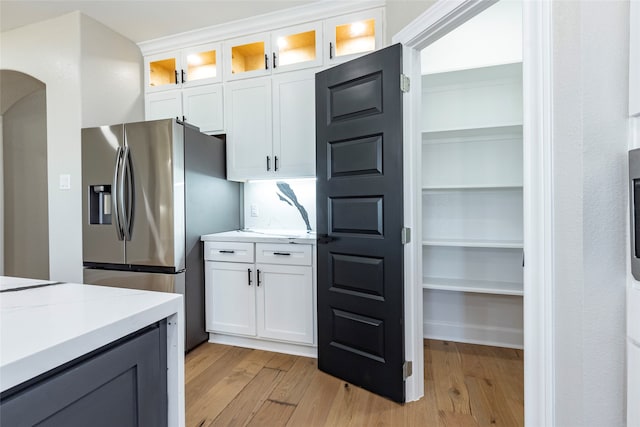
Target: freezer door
(101, 237)
(154, 222)
(173, 283)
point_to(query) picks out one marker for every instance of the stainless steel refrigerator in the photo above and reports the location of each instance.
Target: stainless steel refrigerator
(150, 190)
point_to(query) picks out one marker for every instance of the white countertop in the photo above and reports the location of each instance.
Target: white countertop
(264, 236)
(46, 326)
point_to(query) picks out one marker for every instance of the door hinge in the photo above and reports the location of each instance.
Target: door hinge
(406, 235)
(407, 369)
(405, 83)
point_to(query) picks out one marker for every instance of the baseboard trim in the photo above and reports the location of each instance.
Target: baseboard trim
(258, 344)
(474, 334)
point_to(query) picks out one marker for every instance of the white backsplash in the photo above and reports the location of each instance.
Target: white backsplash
(274, 213)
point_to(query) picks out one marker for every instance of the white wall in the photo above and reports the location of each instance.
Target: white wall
(491, 38)
(111, 73)
(590, 84)
(1, 200)
(399, 13)
(25, 196)
(51, 51)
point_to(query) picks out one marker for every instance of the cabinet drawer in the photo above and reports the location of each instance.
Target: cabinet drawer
(228, 251)
(283, 253)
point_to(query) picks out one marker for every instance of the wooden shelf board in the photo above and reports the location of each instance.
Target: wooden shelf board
(505, 244)
(471, 187)
(475, 286)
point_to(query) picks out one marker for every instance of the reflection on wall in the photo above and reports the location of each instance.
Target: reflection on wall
(280, 205)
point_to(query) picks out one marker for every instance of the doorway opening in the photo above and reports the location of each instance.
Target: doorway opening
(24, 240)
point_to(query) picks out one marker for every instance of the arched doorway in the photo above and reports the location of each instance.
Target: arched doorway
(24, 233)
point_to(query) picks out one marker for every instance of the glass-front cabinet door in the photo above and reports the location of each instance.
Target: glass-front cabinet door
(297, 47)
(162, 71)
(247, 56)
(353, 35)
(201, 65)
(182, 68)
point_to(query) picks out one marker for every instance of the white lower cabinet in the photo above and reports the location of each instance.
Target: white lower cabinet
(270, 300)
(284, 302)
(231, 298)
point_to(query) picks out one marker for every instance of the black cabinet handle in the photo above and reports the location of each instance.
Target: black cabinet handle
(184, 119)
(330, 50)
(249, 275)
(266, 61)
(268, 163)
(184, 80)
(274, 60)
(227, 252)
(258, 277)
(275, 163)
(176, 75)
(282, 253)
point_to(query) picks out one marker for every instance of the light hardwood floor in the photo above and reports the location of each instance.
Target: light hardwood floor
(465, 385)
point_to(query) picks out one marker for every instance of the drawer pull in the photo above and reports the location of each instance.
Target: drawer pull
(249, 275)
(227, 252)
(258, 277)
(282, 253)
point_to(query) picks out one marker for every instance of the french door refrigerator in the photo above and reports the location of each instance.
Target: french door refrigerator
(150, 190)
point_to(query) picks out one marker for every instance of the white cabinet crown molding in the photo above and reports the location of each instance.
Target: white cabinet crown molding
(266, 22)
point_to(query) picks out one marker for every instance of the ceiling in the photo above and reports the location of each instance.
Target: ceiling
(141, 20)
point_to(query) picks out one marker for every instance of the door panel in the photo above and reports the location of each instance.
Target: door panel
(100, 243)
(360, 212)
(157, 222)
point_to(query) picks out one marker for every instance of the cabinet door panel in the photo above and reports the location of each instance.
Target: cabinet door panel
(230, 298)
(247, 57)
(163, 105)
(350, 36)
(201, 65)
(161, 71)
(285, 303)
(294, 132)
(297, 47)
(248, 106)
(203, 107)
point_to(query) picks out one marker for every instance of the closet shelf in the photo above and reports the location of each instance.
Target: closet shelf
(506, 130)
(471, 187)
(475, 286)
(471, 243)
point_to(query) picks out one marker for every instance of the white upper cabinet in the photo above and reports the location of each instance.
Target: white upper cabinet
(349, 36)
(249, 141)
(201, 106)
(271, 127)
(294, 129)
(194, 66)
(298, 47)
(247, 56)
(287, 49)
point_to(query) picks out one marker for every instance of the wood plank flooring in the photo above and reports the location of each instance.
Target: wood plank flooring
(465, 385)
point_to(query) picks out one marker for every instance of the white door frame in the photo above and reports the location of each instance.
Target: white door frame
(437, 21)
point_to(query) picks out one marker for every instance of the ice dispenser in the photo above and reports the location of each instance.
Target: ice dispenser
(100, 204)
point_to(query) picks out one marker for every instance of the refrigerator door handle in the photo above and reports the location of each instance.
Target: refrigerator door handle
(116, 195)
(127, 193)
